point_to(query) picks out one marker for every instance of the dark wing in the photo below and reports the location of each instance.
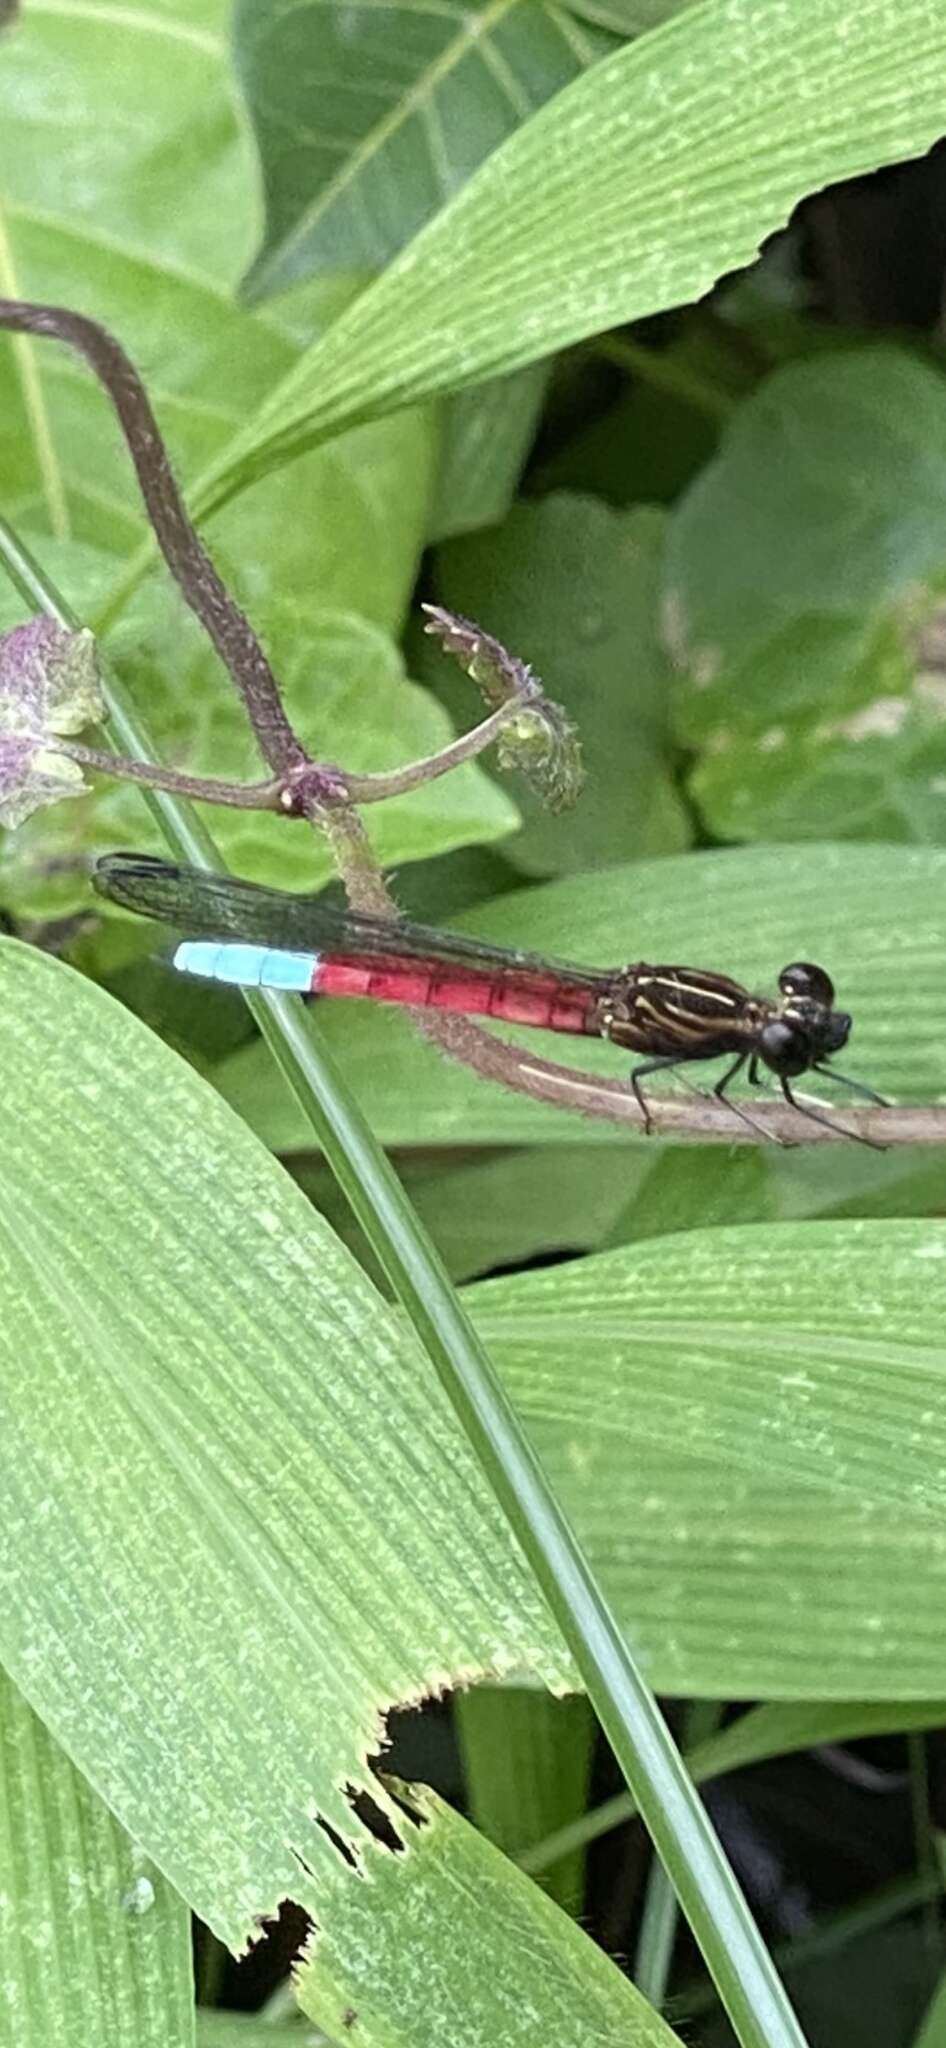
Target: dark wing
(223, 907)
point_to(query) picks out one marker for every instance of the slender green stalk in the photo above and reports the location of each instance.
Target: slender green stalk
(832, 1934)
(924, 1840)
(734, 1748)
(661, 1915)
(577, 1834)
(663, 373)
(736, 1957)
(658, 1932)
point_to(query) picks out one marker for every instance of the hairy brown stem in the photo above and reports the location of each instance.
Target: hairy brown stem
(243, 796)
(692, 1117)
(190, 565)
(305, 788)
(371, 789)
(365, 886)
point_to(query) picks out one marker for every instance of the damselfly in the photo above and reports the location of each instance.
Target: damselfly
(267, 938)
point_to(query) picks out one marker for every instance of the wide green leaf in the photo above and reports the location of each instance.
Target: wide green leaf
(796, 616)
(96, 1944)
(876, 916)
(161, 63)
(635, 189)
(216, 1578)
(730, 1417)
(748, 1428)
(369, 118)
(545, 1980)
(573, 585)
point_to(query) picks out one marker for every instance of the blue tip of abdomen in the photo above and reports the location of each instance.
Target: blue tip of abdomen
(246, 966)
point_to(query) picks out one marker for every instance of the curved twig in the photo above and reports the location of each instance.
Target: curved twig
(691, 1117)
(186, 557)
(241, 796)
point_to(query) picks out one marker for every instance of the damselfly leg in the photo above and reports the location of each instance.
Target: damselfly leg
(746, 1115)
(638, 1074)
(758, 1080)
(859, 1087)
(815, 1116)
(668, 1063)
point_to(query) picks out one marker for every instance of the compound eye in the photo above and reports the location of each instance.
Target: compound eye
(837, 1030)
(804, 979)
(784, 1047)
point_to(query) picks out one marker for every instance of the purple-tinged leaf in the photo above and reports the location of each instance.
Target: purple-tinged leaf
(31, 776)
(49, 689)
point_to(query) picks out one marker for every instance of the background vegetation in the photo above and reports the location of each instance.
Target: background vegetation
(617, 326)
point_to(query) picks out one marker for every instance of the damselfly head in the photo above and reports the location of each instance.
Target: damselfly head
(805, 1027)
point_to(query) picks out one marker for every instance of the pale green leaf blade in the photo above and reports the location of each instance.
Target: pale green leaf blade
(875, 916)
(165, 65)
(635, 189)
(214, 1467)
(369, 118)
(799, 617)
(421, 1932)
(96, 1945)
(748, 1429)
